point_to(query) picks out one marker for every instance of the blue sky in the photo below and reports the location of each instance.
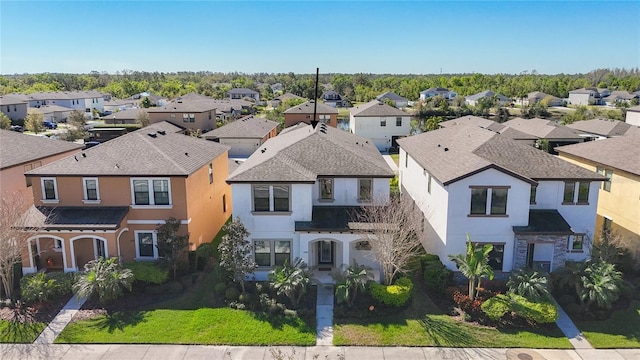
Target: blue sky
(418, 37)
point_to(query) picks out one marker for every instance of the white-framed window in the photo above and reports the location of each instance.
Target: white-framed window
(383, 121)
(57, 245)
(49, 189)
(91, 190)
(326, 188)
(488, 201)
(572, 196)
(398, 121)
(271, 198)
(151, 191)
(365, 189)
(269, 253)
(606, 185)
(146, 244)
(576, 243)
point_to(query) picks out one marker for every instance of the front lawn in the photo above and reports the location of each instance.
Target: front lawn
(20, 332)
(621, 330)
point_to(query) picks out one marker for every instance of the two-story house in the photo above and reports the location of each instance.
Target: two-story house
(84, 101)
(333, 99)
(474, 99)
(190, 114)
(397, 100)
(618, 159)
(244, 135)
(303, 113)
(536, 209)
(108, 200)
(587, 96)
(14, 107)
(296, 195)
(381, 123)
(241, 93)
(437, 91)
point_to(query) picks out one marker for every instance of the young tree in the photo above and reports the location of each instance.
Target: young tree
(106, 277)
(77, 130)
(34, 121)
(143, 118)
(291, 280)
(392, 230)
(235, 252)
(5, 122)
(474, 264)
(146, 102)
(353, 279)
(171, 246)
(600, 285)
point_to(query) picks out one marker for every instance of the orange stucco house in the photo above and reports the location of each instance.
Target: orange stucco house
(108, 200)
(304, 113)
(190, 114)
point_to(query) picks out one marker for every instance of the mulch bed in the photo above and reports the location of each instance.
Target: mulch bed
(44, 312)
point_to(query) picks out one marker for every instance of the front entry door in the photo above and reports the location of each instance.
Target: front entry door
(325, 252)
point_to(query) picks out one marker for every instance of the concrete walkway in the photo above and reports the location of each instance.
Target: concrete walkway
(392, 164)
(324, 315)
(55, 327)
(570, 330)
(153, 352)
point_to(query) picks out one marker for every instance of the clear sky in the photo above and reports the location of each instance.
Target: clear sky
(397, 37)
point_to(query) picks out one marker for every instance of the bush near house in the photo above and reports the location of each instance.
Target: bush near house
(540, 312)
(436, 276)
(41, 287)
(148, 272)
(396, 295)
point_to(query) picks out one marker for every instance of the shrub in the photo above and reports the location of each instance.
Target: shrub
(496, 307)
(530, 284)
(539, 312)
(396, 295)
(148, 272)
(232, 294)
(37, 287)
(463, 301)
(436, 276)
(64, 282)
(220, 288)
(573, 308)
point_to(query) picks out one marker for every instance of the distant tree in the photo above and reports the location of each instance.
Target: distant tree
(502, 114)
(433, 123)
(5, 122)
(34, 121)
(235, 252)
(171, 246)
(146, 102)
(77, 126)
(390, 102)
(143, 118)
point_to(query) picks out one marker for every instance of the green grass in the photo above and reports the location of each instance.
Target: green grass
(15, 332)
(621, 330)
(396, 158)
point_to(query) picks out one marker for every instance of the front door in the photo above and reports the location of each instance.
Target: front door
(325, 252)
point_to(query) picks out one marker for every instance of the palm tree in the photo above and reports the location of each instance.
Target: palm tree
(105, 277)
(530, 284)
(474, 264)
(290, 280)
(352, 279)
(600, 284)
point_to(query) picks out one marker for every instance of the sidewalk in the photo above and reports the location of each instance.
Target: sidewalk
(55, 327)
(152, 352)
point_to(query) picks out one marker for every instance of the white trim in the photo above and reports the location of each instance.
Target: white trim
(152, 204)
(85, 198)
(44, 192)
(155, 222)
(154, 235)
(91, 201)
(118, 242)
(166, 207)
(95, 255)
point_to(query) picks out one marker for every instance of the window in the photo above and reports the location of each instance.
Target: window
(496, 257)
(224, 203)
(185, 117)
(576, 243)
(532, 195)
(192, 118)
(272, 252)
(583, 193)
(57, 245)
(210, 173)
(365, 188)
(569, 192)
(151, 192)
(383, 121)
(326, 188)
(607, 183)
(91, 192)
(270, 198)
(146, 245)
(398, 121)
(495, 203)
(49, 189)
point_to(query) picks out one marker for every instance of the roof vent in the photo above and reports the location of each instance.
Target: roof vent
(323, 131)
(84, 155)
(75, 157)
(153, 135)
(162, 132)
(263, 150)
(446, 149)
(186, 154)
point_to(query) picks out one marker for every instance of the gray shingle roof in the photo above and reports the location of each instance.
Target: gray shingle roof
(76, 217)
(376, 108)
(138, 154)
(242, 91)
(453, 153)
(542, 128)
(435, 89)
(246, 127)
(604, 127)
(303, 154)
(11, 100)
(619, 152)
(634, 108)
(126, 114)
(391, 96)
(17, 148)
(486, 93)
(63, 95)
(307, 108)
(48, 109)
(196, 106)
(468, 120)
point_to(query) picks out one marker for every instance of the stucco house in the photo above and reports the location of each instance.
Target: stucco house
(244, 135)
(397, 100)
(633, 116)
(620, 97)
(190, 114)
(587, 96)
(108, 200)
(618, 159)
(601, 128)
(295, 196)
(438, 91)
(547, 130)
(537, 96)
(241, 93)
(487, 94)
(380, 123)
(537, 210)
(14, 107)
(304, 113)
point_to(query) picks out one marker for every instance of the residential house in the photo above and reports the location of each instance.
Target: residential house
(242, 93)
(193, 114)
(537, 96)
(620, 97)
(244, 135)
(633, 116)
(84, 101)
(333, 99)
(14, 107)
(108, 200)
(437, 91)
(304, 113)
(277, 88)
(297, 193)
(487, 94)
(114, 105)
(598, 129)
(496, 127)
(54, 113)
(535, 209)
(546, 131)
(380, 123)
(587, 96)
(398, 101)
(225, 109)
(284, 97)
(128, 116)
(618, 159)
(20, 153)
(155, 100)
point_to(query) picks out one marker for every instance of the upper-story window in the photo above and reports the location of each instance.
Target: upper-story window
(188, 118)
(398, 121)
(326, 188)
(49, 189)
(606, 185)
(569, 196)
(151, 191)
(383, 121)
(532, 194)
(365, 189)
(90, 189)
(489, 200)
(271, 198)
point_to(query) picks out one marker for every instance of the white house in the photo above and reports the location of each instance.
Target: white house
(381, 123)
(444, 92)
(84, 101)
(587, 96)
(296, 193)
(536, 209)
(487, 94)
(397, 100)
(633, 116)
(241, 93)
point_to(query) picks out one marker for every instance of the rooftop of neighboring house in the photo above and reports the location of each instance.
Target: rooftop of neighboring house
(330, 94)
(454, 153)
(287, 96)
(391, 96)
(485, 94)
(192, 96)
(622, 95)
(48, 109)
(180, 106)
(587, 90)
(118, 102)
(18, 148)
(153, 97)
(11, 100)
(63, 95)
(538, 95)
(490, 125)
(634, 108)
(127, 114)
(307, 108)
(247, 127)
(620, 152)
(542, 128)
(604, 127)
(434, 89)
(376, 108)
(242, 91)
(227, 106)
(150, 151)
(304, 153)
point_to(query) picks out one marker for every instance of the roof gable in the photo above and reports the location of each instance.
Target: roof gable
(246, 127)
(18, 148)
(307, 108)
(619, 152)
(376, 108)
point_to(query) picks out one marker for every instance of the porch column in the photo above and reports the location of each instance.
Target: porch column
(346, 247)
(304, 251)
